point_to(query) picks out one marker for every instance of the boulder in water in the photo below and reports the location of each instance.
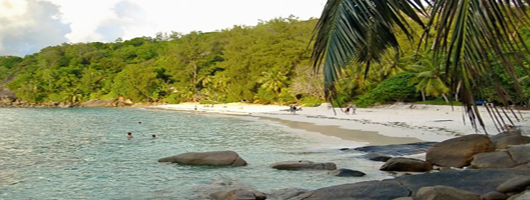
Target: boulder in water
(303, 164)
(458, 152)
(212, 158)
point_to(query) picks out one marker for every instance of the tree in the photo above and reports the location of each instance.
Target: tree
(468, 34)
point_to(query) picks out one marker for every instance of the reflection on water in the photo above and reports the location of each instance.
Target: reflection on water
(83, 153)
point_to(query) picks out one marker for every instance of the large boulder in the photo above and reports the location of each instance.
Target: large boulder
(238, 195)
(406, 165)
(497, 159)
(494, 196)
(458, 152)
(444, 193)
(303, 164)
(213, 158)
(504, 142)
(370, 190)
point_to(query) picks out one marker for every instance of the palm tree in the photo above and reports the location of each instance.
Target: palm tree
(274, 80)
(469, 34)
(429, 79)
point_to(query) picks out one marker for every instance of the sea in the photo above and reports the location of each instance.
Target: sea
(83, 153)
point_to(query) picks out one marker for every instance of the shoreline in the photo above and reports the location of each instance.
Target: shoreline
(389, 124)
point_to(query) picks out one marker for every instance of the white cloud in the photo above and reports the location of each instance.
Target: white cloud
(106, 20)
(27, 26)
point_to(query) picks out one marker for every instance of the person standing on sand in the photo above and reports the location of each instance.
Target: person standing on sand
(129, 136)
(353, 108)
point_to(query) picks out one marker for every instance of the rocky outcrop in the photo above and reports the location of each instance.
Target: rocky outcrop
(495, 138)
(494, 196)
(238, 194)
(108, 103)
(444, 193)
(303, 164)
(480, 182)
(458, 152)
(213, 158)
(406, 165)
(346, 173)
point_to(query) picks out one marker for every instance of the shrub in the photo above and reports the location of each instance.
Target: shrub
(395, 88)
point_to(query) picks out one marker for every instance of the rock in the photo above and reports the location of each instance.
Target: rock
(303, 164)
(285, 194)
(440, 192)
(476, 181)
(522, 196)
(406, 165)
(516, 184)
(494, 196)
(495, 138)
(238, 195)
(213, 158)
(370, 190)
(520, 153)
(504, 142)
(458, 152)
(99, 103)
(496, 159)
(398, 149)
(346, 172)
(377, 157)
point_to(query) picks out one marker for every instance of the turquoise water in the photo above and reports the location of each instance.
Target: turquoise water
(83, 153)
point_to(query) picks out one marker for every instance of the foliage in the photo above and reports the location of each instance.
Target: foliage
(395, 88)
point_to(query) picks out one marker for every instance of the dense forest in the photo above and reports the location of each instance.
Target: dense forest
(267, 63)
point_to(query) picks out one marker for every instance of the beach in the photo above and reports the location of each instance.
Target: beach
(389, 124)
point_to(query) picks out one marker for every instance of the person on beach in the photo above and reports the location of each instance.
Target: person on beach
(353, 108)
(348, 108)
(153, 137)
(129, 136)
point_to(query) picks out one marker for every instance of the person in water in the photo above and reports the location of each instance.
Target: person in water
(129, 135)
(153, 137)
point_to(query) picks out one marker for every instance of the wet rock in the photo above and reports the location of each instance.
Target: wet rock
(516, 184)
(377, 157)
(398, 149)
(440, 192)
(406, 165)
(497, 159)
(458, 152)
(303, 164)
(212, 158)
(347, 173)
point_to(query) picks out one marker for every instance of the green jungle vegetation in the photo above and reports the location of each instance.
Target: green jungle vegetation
(269, 63)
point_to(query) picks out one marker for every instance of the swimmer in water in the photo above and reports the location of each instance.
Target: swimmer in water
(153, 137)
(129, 135)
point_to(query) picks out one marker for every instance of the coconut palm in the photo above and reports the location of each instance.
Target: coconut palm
(469, 34)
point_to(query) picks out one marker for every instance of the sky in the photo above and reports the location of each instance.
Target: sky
(26, 26)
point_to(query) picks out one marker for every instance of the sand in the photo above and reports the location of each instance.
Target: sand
(390, 124)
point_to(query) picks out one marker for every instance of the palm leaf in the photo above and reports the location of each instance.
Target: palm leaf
(469, 34)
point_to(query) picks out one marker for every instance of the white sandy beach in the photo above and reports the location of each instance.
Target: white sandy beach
(391, 124)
